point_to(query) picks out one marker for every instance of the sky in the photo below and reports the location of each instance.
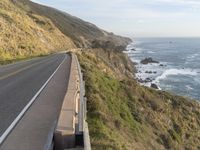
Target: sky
(137, 18)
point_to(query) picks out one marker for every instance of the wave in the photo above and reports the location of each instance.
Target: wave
(189, 87)
(193, 56)
(176, 72)
(151, 52)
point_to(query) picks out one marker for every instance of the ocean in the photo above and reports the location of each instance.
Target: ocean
(178, 70)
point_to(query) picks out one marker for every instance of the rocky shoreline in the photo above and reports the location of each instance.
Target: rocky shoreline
(149, 80)
(148, 60)
(150, 75)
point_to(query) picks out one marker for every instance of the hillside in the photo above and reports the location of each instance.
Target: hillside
(83, 34)
(124, 115)
(25, 34)
(121, 113)
(29, 29)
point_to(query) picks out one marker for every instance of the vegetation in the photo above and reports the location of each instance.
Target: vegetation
(25, 34)
(10, 60)
(28, 29)
(121, 113)
(124, 115)
(83, 34)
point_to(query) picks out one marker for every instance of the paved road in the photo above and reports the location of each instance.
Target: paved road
(20, 82)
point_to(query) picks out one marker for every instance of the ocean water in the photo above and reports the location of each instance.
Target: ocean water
(178, 70)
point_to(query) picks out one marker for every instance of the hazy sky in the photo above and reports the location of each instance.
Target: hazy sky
(155, 18)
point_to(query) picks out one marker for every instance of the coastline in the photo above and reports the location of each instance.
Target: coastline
(142, 78)
(115, 102)
(155, 74)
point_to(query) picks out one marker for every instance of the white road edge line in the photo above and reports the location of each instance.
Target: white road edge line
(14, 123)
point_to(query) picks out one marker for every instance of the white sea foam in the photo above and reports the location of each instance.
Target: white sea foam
(151, 52)
(189, 87)
(193, 56)
(188, 57)
(176, 72)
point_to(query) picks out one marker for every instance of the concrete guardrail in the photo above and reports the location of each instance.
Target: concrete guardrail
(72, 129)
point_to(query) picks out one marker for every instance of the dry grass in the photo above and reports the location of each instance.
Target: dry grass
(83, 34)
(124, 115)
(25, 34)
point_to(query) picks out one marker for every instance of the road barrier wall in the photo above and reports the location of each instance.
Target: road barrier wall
(72, 129)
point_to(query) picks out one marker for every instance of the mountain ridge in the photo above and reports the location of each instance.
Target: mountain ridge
(33, 29)
(83, 33)
(122, 114)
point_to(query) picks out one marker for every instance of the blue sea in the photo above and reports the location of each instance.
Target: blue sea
(178, 70)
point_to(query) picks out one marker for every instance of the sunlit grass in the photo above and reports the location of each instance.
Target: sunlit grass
(124, 115)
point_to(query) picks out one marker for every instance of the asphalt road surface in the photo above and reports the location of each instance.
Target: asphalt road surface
(19, 83)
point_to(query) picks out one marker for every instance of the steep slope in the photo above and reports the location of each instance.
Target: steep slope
(29, 29)
(124, 115)
(25, 34)
(83, 33)
(121, 113)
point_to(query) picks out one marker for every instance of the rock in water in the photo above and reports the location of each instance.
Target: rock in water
(148, 60)
(153, 85)
(133, 49)
(161, 65)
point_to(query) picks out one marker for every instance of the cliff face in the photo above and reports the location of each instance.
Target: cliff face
(125, 115)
